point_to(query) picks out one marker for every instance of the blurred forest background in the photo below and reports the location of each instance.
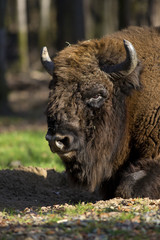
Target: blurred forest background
(27, 25)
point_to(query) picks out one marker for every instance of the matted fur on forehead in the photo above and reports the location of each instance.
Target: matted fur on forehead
(90, 50)
(84, 61)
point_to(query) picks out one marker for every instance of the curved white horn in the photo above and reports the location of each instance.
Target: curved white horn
(128, 65)
(46, 61)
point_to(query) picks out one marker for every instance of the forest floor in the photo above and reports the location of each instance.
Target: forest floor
(38, 203)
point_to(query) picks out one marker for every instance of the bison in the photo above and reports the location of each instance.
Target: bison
(103, 112)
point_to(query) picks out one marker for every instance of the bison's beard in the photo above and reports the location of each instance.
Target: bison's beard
(99, 154)
(90, 166)
(96, 160)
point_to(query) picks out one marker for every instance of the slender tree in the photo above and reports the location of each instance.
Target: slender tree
(70, 21)
(124, 13)
(153, 13)
(104, 17)
(3, 85)
(45, 6)
(97, 11)
(23, 34)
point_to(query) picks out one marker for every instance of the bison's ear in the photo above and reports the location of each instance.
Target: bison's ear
(46, 61)
(130, 82)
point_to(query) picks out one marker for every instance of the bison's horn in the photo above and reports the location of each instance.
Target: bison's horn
(129, 63)
(46, 61)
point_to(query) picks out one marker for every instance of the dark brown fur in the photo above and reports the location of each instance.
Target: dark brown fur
(116, 139)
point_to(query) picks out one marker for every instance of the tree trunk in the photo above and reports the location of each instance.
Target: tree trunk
(3, 85)
(23, 35)
(70, 22)
(101, 17)
(153, 13)
(44, 21)
(97, 11)
(110, 24)
(124, 13)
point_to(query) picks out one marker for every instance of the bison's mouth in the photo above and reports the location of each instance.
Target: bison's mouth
(67, 157)
(65, 154)
(77, 161)
(75, 167)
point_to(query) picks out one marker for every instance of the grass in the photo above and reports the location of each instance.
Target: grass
(29, 148)
(119, 226)
(78, 209)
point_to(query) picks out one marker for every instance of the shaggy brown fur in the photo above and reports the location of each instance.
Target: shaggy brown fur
(115, 137)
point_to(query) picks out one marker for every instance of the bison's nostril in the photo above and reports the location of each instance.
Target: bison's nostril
(59, 144)
(62, 142)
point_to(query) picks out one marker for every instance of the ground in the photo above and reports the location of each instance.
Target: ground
(30, 186)
(37, 203)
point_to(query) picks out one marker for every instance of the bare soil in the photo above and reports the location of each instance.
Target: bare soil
(31, 186)
(26, 189)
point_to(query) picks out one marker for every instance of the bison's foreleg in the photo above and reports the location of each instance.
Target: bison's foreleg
(142, 180)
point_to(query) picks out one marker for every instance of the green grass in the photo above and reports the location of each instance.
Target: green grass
(29, 148)
(79, 209)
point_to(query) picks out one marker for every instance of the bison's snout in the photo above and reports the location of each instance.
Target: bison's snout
(61, 143)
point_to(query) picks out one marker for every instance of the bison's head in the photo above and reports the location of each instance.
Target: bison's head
(86, 110)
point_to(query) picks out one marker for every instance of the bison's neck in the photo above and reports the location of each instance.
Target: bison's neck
(123, 148)
(123, 152)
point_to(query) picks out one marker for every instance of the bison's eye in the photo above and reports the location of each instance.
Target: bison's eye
(97, 100)
(96, 96)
